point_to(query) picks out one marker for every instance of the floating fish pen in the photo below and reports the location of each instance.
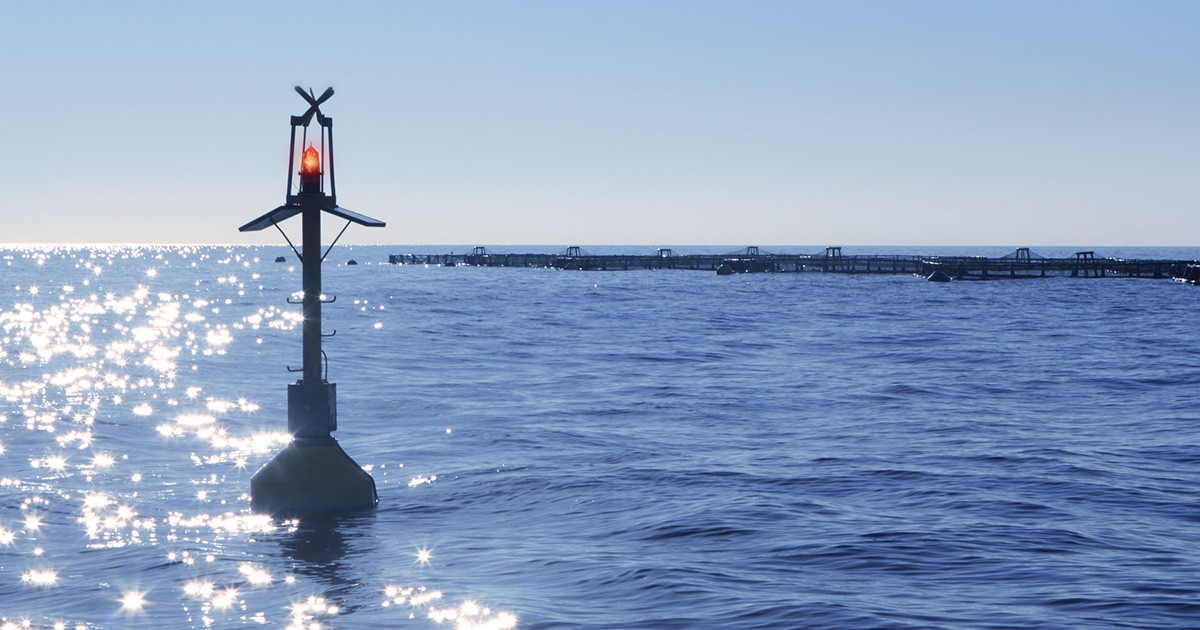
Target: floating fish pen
(1190, 275)
(1021, 263)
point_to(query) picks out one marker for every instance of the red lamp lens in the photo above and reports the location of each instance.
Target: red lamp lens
(311, 162)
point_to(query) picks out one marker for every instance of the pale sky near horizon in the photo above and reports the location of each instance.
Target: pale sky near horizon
(658, 123)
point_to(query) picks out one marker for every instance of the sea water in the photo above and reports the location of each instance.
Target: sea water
(566, 449)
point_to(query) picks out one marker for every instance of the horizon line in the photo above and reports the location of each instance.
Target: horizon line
(573, 244)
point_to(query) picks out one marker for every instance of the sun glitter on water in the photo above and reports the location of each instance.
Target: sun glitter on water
(40, 578)
(113, 438)
(133, 601)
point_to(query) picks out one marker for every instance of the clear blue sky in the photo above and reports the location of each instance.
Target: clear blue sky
(691, 122)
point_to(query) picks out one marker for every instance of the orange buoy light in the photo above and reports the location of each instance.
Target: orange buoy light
(310, 171)
(311, 162)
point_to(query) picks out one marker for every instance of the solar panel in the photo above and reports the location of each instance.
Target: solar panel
(277, 215)
(282, 213)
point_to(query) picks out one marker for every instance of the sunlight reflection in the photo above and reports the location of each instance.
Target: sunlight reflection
(303, 614)
(469, 616)
(103, 518)
(226, 523)
(218, 337)
(200, 589)
(85, 359)
(220, 406)
(40, 578)
(418, 480)
(133, 601)
(254, 575)
(194, 420)
(96, 500)
(167, 430)
(83, 437)
(226, 599)
(57, 463)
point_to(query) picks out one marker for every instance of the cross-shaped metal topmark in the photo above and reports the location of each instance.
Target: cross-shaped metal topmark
(314, 107)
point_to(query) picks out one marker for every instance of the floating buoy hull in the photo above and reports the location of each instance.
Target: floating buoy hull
(311, 475)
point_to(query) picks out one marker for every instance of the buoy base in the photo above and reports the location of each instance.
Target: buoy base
(311, 475)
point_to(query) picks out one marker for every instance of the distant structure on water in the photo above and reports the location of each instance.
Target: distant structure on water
(1021, 263)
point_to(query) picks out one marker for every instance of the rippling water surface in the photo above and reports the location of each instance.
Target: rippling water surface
(555, 449)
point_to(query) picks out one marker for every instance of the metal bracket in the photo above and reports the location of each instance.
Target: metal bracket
(289, 241)
(330, 334)
(292, 369)
(329, 301)
(335, 240)
(289, 301)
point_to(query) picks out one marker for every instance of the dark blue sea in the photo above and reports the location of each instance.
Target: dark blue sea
(572, 449)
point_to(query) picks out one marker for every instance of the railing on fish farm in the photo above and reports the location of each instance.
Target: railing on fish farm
(1021, 263)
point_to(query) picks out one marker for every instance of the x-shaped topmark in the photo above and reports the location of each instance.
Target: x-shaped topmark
(314, 107)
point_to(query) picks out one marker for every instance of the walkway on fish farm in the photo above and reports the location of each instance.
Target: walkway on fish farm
(1021, 263)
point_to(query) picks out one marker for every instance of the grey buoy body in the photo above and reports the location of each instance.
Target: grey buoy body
(311, 476)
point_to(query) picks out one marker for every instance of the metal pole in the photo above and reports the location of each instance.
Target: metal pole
(291, 163)
(311, 215)
(332, 180)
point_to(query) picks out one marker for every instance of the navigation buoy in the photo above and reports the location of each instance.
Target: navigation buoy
(312, 473)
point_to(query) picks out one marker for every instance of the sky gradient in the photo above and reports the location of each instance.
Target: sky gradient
(662, 123)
